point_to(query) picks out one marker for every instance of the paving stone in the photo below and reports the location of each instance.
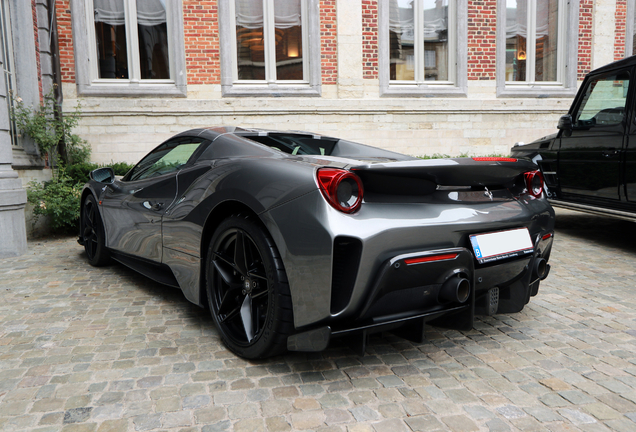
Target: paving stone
(392, 425)
(497, 425)
(307, 419)
(217, 427)
(337, 416)
(77, 415)
(577, 417)
(277, 424)
(364, 413)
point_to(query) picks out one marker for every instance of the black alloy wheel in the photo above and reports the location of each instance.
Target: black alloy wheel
(92, 232)
(247, 289)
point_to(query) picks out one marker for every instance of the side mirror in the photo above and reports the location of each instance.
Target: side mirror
(565, 122)
(103, 175)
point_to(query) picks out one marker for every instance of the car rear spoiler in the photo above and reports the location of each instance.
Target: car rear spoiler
(452, 172)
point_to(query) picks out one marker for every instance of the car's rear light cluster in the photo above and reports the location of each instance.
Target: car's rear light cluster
(534, 183)
(341, 188)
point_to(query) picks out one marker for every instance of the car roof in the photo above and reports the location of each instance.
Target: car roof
(213, 132)
(623, 63)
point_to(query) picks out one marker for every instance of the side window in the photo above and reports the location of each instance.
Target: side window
(168, 157)
(603, 102)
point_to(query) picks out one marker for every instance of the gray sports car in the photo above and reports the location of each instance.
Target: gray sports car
(292, 239)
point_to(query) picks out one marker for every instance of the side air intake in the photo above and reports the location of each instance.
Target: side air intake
(346, 260)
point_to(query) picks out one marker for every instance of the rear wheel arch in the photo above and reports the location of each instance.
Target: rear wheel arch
(221, 212)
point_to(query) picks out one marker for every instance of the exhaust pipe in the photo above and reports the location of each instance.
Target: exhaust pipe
(455, 289)
(540, 269)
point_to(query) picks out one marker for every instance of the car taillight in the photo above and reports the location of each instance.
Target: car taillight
(534, 183)
(341, 188)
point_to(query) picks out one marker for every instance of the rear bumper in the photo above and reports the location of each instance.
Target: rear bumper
(410, 295)
(307, 232)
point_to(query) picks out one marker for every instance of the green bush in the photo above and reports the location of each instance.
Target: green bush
(121, 168)
(79, 172)
(47, 126)
(59, 199)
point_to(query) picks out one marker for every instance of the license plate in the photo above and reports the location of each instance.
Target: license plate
(501, 244)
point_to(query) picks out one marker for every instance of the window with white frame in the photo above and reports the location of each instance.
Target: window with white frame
(266, 47)
(535, 49)
(422, 47)
(132, 46)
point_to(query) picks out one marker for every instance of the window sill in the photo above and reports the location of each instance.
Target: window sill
(126, 89)
(272, 90)
(423, 91)
(535, 92)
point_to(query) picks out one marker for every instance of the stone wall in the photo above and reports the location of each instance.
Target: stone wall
(125, 129)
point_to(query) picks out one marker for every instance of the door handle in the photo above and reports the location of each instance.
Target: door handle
(610, 153)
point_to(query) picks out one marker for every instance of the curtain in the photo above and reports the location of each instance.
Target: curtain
(401, 20)
(249, 13)
(149, 12)
(517, 19)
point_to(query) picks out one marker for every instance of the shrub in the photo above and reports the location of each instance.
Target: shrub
(47, 126)
(59, 199)
(121, 168)
(79, 172)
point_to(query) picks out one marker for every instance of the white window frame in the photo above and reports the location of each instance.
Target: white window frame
(85, 46)
(232, 86)
(567, 51)
(457, 55)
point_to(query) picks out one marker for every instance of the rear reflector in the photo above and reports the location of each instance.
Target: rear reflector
(547, 236)
(494, 159)
(432, 258)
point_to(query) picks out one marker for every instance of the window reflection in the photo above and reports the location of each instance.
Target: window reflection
(252, 42)
(289, 40)
(516, 28)
(520, 32)
(546, 40)
(110, 32)
(402, 38)
(427, 22)
(153, 39)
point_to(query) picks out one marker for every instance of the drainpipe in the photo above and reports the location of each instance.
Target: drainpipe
(54, 49)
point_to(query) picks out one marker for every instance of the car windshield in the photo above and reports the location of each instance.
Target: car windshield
(296, 144)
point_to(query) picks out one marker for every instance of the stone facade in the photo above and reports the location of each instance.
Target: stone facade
(350, 104)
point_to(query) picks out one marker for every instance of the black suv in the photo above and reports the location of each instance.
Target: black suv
(590, 163)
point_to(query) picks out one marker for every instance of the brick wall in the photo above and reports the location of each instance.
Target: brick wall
(201, 32)
(370, 39)
(36, 35)
(482, 39)
(65, 37)
(620, 32)
(585, 38)
(328, 42)
(202, 42)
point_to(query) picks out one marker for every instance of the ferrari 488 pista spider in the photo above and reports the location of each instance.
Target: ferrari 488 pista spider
(292, 239)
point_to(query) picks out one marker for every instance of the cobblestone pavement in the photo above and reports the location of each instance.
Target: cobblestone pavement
(85, 349)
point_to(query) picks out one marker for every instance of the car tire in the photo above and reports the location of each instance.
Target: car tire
(247, 289)
(92, 232)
